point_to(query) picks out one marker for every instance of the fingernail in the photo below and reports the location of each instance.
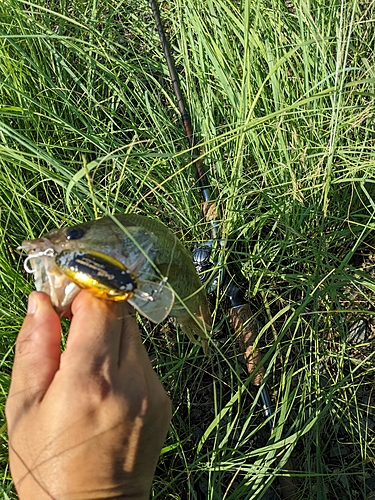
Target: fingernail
(31, 305)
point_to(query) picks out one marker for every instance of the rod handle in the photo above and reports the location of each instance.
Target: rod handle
(247, 329)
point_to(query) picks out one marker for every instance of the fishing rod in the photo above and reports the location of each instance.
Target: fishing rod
(198, 163)
(240, 311)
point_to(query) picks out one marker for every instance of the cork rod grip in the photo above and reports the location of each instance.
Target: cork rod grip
(247, 330)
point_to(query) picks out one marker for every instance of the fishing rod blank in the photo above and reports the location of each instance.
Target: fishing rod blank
(240, 312)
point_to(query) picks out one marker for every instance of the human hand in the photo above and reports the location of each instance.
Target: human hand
(88, 423)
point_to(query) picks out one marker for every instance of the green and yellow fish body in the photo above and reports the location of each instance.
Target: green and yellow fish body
(131, 258)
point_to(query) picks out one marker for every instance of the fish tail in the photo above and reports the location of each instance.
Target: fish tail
(197, 328)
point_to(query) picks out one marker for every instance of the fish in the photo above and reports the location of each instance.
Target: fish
(126, 258)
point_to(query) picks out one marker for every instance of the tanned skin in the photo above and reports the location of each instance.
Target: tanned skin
(87, 423)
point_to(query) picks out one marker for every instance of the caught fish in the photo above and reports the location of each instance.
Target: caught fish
(141, 262)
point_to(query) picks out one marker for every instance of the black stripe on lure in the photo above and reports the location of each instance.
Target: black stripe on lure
(102, 275)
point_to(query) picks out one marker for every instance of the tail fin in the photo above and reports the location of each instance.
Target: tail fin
(197, 326)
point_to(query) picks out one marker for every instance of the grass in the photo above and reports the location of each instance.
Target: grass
(282, 100)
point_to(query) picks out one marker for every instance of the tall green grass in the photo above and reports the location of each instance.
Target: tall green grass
(282, 101)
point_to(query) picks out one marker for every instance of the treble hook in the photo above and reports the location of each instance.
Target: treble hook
(49, 252)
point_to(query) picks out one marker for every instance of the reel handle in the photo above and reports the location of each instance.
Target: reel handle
(247, 329)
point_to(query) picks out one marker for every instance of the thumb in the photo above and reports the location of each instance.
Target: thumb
(37, 356)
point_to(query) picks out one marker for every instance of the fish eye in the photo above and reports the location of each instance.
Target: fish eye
(74, 233)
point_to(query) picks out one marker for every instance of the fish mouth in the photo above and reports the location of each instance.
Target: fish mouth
(48, 278)
(37, 245)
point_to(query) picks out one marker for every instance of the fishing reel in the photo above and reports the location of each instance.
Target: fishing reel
(202, 262)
